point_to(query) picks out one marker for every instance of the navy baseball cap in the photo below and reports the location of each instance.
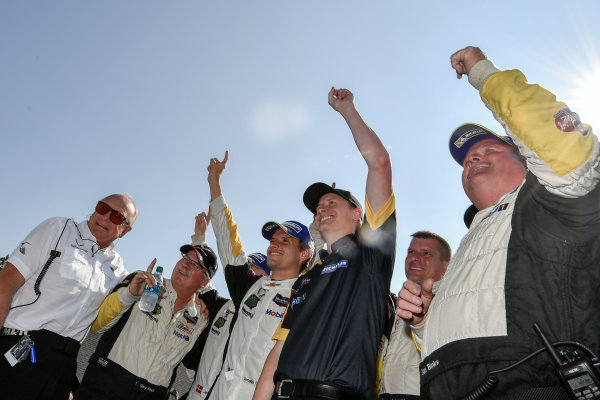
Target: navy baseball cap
(260, 260)
(206, 256)
(314, 192)
(466, 135)
(293, 228)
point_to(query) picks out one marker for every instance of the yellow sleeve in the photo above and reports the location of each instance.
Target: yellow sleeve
(539, 121)
(110, 308)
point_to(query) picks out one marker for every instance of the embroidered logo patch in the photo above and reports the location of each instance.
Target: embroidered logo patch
(189, 318)
(498, 208)
(568, 121)
(157, 310)
(22, 247)
(181, 336)
(251, 301)
(331, 268)
(220, 322)
(304, 281)
(281, 301)
(181, 326)
(468, 135)
(297, 301)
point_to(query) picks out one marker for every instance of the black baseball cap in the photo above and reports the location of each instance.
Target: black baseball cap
(206, 256)
(314, 192)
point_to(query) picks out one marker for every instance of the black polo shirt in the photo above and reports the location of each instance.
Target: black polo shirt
(335, 319)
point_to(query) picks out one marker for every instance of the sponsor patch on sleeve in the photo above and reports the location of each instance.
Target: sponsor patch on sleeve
(568, 121)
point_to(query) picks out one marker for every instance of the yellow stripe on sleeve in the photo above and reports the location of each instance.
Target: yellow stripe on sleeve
(378, 376)
(234, 237)
(377, 220)
(280, 333)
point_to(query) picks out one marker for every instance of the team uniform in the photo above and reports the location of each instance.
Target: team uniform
(138, 354)
(341, 302)
(400, 364)
(260, 303)
(211, 359)
(534, 256)
(72, 290)
(204, 364)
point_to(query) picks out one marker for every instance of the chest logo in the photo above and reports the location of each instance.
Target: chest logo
(297, 300)
(498, 208)
(331, 268)
(189, 318)
(220, 322)
(281, 301)
(182, 327)
(252, 301)
(157, 311)
(181, 336)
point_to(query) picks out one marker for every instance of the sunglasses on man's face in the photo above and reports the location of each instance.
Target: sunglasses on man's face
(115, 216)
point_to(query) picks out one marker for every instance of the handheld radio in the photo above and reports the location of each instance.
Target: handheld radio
(578, 377)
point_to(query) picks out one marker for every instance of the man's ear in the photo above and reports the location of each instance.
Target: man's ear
(305, 255)
(356, 214)
(444, 266)
(125, 231)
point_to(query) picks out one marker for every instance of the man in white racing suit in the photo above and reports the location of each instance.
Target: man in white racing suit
(139, 351)
(260, 300)
(532, 252)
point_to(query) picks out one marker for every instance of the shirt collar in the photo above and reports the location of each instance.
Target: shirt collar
(343, 245)
(191, 307)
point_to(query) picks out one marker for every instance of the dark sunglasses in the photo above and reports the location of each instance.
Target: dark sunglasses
(115, 217)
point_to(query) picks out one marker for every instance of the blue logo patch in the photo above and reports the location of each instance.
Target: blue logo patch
(181, 336)
(274, 313)
(330, 268)
(297, 301)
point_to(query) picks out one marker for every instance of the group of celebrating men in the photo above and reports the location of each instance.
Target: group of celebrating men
(314, 317)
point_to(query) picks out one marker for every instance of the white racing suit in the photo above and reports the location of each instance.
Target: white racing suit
(139, 352)
(260, 303)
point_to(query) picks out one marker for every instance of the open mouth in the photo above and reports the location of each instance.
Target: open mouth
(326, 218)
(477, 168)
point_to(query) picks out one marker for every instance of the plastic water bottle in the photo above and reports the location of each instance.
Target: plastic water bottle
(150, 296)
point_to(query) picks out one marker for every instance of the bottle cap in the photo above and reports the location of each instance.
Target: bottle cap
(159, 269)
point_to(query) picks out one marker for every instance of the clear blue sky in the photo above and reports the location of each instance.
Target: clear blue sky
(111, 96)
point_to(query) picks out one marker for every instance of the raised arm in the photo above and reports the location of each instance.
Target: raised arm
(379, 178)
(200, 226)
(215, 170)
(561, 150)
(229, 244)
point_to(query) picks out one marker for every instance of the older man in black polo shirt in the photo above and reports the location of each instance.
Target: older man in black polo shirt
(327, 343)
